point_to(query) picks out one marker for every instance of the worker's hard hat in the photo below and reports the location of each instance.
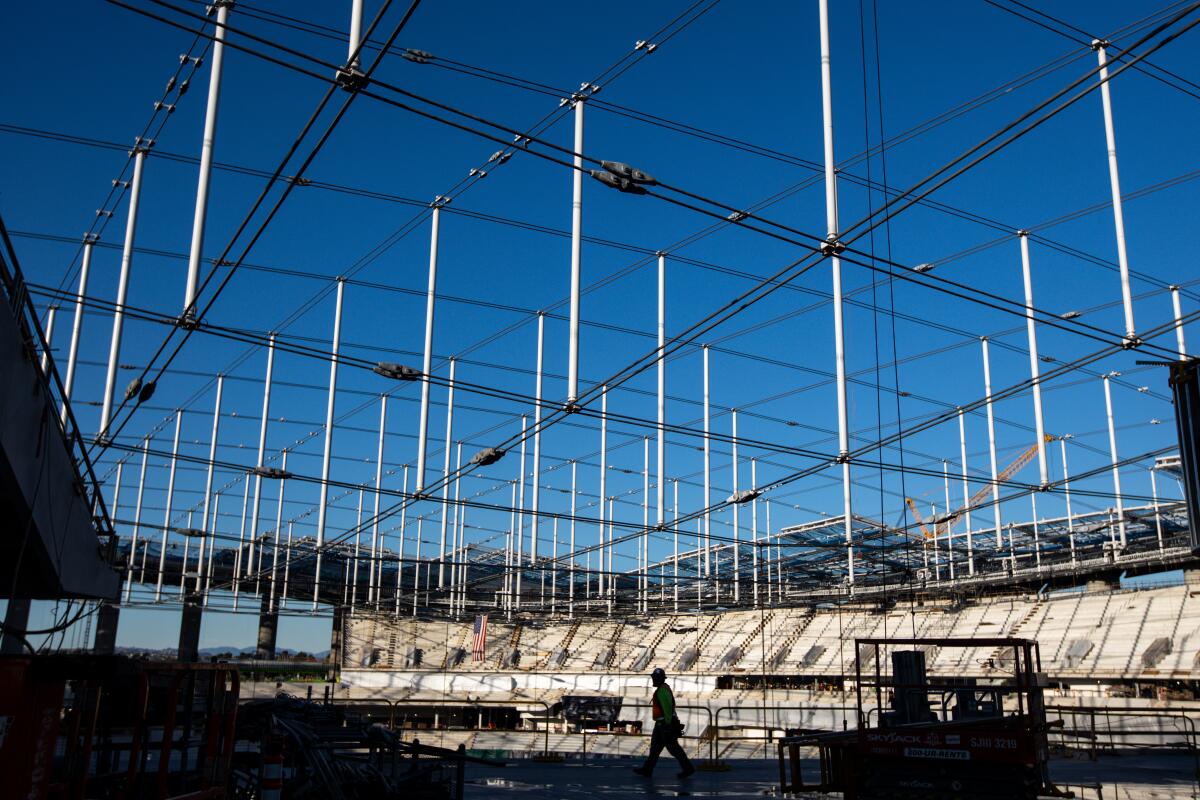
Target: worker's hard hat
(658, 673)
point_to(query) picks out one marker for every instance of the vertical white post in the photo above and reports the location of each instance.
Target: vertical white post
(212, 546)
(458, 569)
(237, 560)
(212, 453)
(606, 566)
(535, 522)
(427, 361)
(323, 501)
(353, 573)
(275, 533)
(162, 554)
(1157, 515)
(262, 451)
(643, 568)
(1031, 333)
(1181, 346)
(1062, 444)
(114, 348)
(206, 158)
(737, 545)
(510, 540)
(77, 323)
(991, 424)
(571, 568)
(520, 546)
(662, 383)
(374, 582)
(137, 521)
(1116, 471)
(966, 490)
(707, 470)
(51, 315)
(356, 15)
(754, 527)
(287, 563)
(576, 260)
(947, 525)
(832, 248)
(675, 537)
(403, 533)
(446, 448)
(1037, 541)
(553, 567)
(417, 564)
(601, 583)
(1114, 180)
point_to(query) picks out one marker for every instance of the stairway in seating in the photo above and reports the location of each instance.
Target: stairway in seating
(570, 637)
(705, 634)
(653, 644)
(612, 644)
(1034, 608)
(749, 640)
(789, 641)
(514, 641)
(467, 631)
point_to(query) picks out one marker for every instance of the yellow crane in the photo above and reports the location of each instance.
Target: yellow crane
(947, 522)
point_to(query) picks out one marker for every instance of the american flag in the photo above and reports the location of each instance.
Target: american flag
(479, 639)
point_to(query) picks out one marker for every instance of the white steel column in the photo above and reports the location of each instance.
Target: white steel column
(376, 577)
(275, 534)
(206, 158)
(262, 449)
(535, 521)
(1100, 47)
(403, 529)
(1031, 332)
(427, 361)
(237, 560)
(212, 452)
(991, 424)
(1062, 444)
(643, 568)
(831, 220)
(662, 384)
(114, 348)
(1112, 447)
(948, 527)
(51, 316)
(520, 543)
(162, 554)
(1181, 346)
(754, 527)
(571, 568)
(1157, 514)
(352, 573)
(446, 480)
(322, 502)
(737, 546)
(600, 581)
(77, 323)
(458, 568)
(356, 15)
(675, 538)
(137, 522)
(966, 490)
(707, 470)
(576, 260)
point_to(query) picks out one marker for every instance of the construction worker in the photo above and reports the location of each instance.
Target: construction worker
(667, 728)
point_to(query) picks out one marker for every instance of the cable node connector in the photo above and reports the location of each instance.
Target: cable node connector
(616, 182)
(1099, 43)
(91, 238)
(187, 320)
(417, 56)
(351, 78)
(439, 201)
(476, 172)
(642, 44)
(215, 4)
(185, 58)
(102, 212)
(141, 145)
(737, 216)
(622, 170)
(1022, 232)
(297, 180)
(832, 246)
(1131, 342)
(571, 407)
(160, 105)
(521, 140)
(122, 184)
(842, 458)
(499, 157)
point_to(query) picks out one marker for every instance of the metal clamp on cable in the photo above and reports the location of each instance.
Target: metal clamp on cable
(832, 246)
(351, 78)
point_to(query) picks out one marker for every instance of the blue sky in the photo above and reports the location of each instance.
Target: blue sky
(748, 71)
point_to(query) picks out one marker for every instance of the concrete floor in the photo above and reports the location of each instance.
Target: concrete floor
(1130, 777)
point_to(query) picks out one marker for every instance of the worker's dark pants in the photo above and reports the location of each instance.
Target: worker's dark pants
(664, 736)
